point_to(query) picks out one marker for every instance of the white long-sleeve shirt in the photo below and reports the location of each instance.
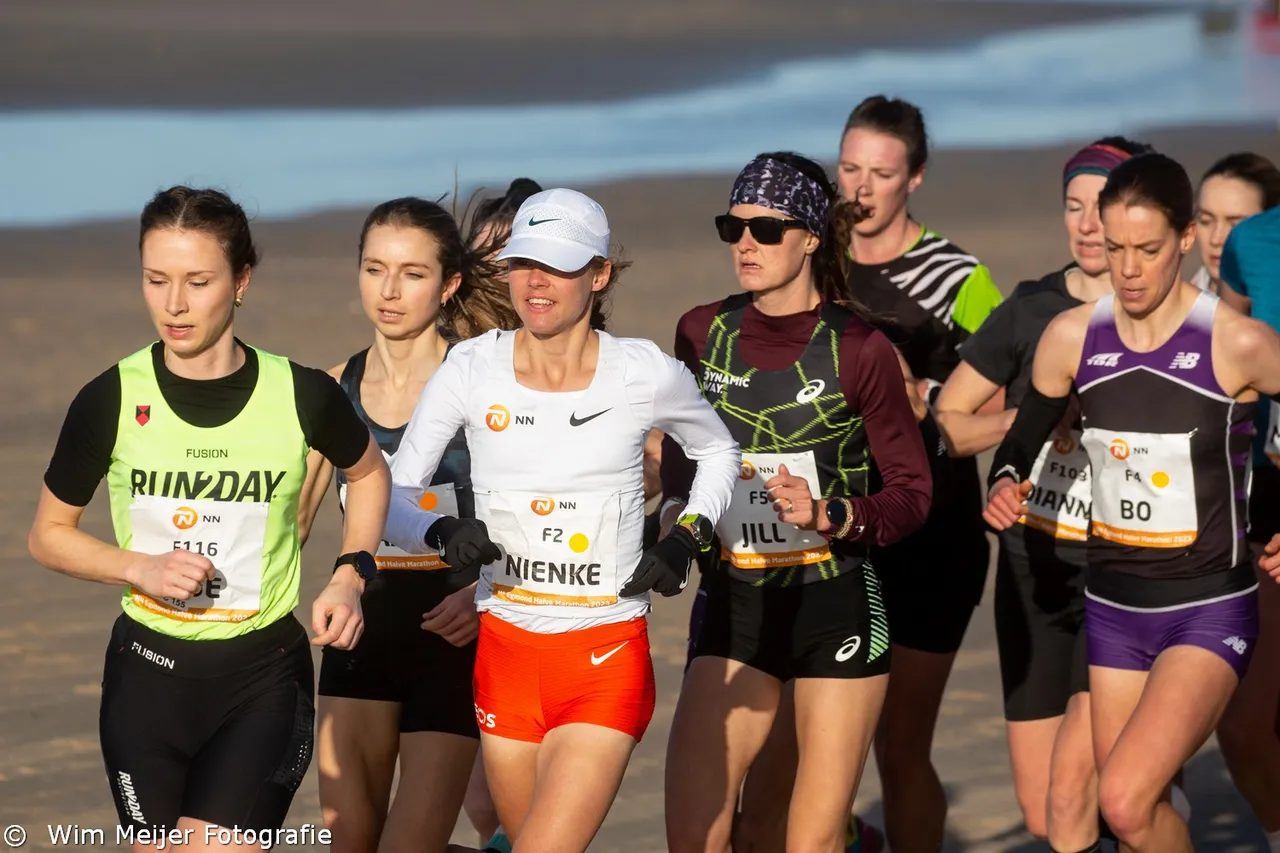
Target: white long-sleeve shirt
(559, 476)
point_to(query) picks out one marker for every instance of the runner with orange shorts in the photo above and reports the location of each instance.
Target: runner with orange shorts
(556, 416)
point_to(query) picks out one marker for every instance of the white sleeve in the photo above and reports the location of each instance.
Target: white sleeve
(680, 411)
(437, 417)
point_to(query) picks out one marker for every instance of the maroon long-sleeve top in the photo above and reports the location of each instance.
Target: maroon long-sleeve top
(872, 382)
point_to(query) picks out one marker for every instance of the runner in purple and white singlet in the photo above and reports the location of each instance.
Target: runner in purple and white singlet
(1168, 378)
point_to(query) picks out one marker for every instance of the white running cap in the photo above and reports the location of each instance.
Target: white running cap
(560, 228)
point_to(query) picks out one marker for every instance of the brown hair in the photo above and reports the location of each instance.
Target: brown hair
(209, 211)
(600, 299)
(1155, 181)
(1253, 169)
(897, 118)
(483, 299)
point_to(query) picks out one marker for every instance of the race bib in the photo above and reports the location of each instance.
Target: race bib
(1145, 494)
(441, 499)
(232, 535)
(1062, 491)
(751, 536)
(560, 550)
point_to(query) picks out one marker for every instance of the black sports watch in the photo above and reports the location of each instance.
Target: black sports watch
(702, 528)
(363, 562)
(840, 517)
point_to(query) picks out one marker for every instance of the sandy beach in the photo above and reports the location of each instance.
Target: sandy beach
(70, 306)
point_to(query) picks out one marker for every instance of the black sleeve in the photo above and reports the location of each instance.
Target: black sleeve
(82, 455)
(990, 350)
(1037, 416)
(329, 421)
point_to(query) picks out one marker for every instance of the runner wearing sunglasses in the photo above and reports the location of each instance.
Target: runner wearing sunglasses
(814, 396)
(556, 415)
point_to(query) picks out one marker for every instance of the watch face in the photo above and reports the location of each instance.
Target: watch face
(836, 512)
(366, 566)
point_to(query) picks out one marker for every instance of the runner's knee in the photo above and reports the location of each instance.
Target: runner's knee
(1126, 811)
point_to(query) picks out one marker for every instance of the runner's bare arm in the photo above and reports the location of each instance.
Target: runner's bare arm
(368, 494)
(965, 428)
(1246, 355)
(316, 484)
(439, 414)
(57, 542)
(681, 412)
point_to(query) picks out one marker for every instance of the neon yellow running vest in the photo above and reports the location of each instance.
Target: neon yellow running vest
(229, 493)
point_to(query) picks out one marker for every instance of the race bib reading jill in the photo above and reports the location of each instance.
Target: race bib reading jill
(1061, 489)
(232, 535)
(559, 549)
(440, 499)
(751, 536)
(1145, 493)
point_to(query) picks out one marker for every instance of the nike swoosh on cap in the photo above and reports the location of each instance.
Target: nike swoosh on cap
(574, 420)
(533, 222)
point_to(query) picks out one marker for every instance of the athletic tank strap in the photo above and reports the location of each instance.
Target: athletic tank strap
(352, 373)
(736, 303)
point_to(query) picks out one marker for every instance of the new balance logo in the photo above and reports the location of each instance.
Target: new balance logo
(1104, 359)
(1236, 643)
(1184, 361)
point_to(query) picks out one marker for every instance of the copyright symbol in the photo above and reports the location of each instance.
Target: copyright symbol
(15, 836)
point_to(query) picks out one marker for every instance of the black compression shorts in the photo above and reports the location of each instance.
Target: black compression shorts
(827, 629)
(1264, 497)
(397, 660)
(216, 730)
(934, 578)
(1040, 631)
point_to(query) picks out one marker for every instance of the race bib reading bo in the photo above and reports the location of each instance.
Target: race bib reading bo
(1145, 488)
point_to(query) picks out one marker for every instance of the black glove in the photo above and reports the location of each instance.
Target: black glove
(463, 543)
(664, 568)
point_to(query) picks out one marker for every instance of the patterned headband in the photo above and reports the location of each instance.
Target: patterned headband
(1093, 160)
(777, 186)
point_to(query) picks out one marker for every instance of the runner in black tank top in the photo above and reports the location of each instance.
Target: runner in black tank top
(1168, 379)
(405, 691)
(928, 295)
(1039, 593)
(814, 397)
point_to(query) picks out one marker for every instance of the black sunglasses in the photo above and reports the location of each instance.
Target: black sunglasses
(765, 230)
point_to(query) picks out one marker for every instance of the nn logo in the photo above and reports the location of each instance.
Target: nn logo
(185, 518)
(499, 418)
(747, 471)
(1064, 444)
(1119, 448)
(546, 506)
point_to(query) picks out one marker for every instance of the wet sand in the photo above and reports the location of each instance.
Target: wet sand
(387, 53)
(71, 295)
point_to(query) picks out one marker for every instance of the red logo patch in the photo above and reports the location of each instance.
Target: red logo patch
(143, 414)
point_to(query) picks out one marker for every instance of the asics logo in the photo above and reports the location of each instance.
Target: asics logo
(1237, 644)
(1184, 361)
(596, 661)
(811, 389)
(849, 649)
(1104, 359)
